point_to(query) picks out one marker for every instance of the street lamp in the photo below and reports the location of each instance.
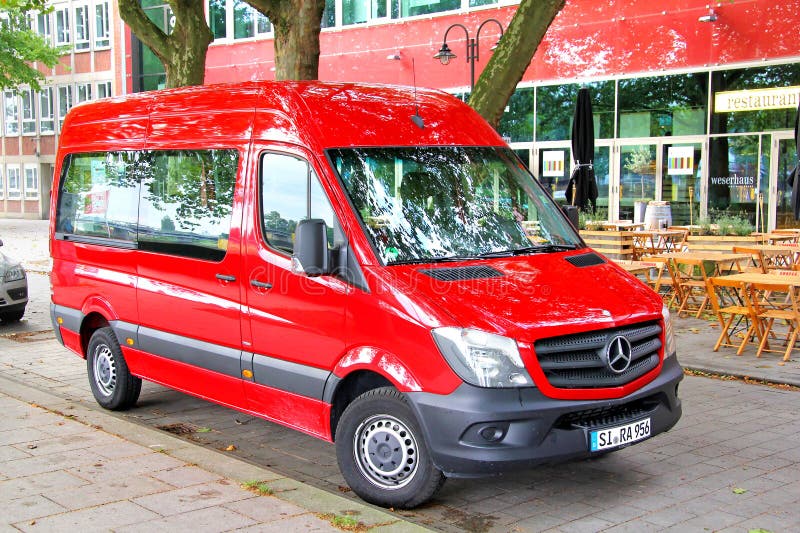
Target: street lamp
(473, 46)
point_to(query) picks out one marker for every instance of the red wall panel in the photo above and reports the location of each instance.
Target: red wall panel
(588, 38)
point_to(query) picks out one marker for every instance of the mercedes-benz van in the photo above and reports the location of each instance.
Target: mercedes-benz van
(370, 265)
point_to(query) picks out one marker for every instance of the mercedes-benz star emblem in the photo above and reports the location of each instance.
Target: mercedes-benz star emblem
(618, 354)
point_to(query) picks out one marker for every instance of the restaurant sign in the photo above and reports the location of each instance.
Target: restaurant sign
(757, 99)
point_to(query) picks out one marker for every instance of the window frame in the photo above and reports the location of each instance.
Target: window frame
(62, 111)
(2, 183)
(14, 193)
(86, 89)
(28, 116)
(106, 85)
(10, 95)
(47, 111)
(63, 35)
(31, 192)
(101, 31)
(82, 36)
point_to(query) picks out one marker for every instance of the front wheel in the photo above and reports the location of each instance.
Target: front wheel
(382, 453)
(113, 386)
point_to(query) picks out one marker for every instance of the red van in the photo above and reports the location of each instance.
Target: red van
(370, 265)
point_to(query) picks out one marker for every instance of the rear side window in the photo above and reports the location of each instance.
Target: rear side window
(186, 202)
(172, 202)
(99, 196)
(291, 192)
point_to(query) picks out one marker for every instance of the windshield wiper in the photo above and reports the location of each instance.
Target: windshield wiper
(543, 248)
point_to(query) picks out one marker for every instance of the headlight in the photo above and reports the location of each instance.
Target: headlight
(15, 273)
(670, 348)
(482, 358)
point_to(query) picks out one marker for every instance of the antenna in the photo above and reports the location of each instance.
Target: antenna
(415, 118)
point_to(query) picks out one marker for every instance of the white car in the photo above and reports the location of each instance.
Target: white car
(13, 289)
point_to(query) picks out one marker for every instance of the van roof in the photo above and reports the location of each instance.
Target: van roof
(317, 114)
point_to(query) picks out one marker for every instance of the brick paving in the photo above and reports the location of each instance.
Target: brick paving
(730, 464)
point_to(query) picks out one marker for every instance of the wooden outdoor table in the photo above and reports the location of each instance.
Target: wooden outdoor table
(777, 255)
(718, 258)
(652, 242)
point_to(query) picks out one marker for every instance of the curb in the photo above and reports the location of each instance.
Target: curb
(310, 498)
(739, 375)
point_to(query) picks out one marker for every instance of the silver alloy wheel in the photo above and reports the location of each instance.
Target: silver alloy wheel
(105, 370)
(385, 451)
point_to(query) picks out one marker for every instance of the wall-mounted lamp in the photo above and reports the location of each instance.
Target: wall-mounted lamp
(710, 17)
(444, 55)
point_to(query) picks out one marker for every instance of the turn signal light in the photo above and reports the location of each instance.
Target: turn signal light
(129, 341)
(247, 373)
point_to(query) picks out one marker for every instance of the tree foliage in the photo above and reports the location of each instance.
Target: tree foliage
(511, 58)
(182, 49)
(20, 46)
(297, 25)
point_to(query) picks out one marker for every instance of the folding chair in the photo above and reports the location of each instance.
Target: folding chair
(758, 263)
(730, 301)
(767, 315)
(692, 281)
(663, 281)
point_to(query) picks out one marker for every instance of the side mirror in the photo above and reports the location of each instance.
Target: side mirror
(311, 256)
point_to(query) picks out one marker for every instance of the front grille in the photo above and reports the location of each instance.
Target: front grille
(579, 361)
(462, 273)
(608, 416)
(18, 294)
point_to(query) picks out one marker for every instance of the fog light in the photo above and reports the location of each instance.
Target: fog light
(491, 433)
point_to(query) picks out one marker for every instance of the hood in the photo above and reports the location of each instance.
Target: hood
(534, 296)
(6, 263)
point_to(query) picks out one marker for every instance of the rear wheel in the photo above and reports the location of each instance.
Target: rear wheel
(382, 453)
(113, 386)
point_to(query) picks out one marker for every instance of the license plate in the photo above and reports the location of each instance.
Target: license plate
(604, 439)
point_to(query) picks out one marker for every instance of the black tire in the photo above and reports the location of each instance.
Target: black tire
(381, 420)
(113, 386)
(12, 316)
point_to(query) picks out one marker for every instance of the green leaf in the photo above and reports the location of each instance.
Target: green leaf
(203, 430)
(737, 490)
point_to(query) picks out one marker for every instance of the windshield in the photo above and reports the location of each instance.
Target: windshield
(423, 204)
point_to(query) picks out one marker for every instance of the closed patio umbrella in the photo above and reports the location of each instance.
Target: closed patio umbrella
(794, 177)
(582, 187)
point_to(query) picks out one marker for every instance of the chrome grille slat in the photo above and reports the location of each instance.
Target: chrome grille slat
(576, 361)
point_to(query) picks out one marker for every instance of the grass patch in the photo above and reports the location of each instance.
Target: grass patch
(345, 523)
(258, 487)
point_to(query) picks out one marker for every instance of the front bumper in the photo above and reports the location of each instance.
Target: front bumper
(477, 432)
(13, 294)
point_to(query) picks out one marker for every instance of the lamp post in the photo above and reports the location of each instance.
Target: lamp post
(473, 46)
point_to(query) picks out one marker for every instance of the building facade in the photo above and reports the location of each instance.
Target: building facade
(694, 103)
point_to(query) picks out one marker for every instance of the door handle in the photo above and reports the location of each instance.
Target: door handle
(260, 284)
(225, 277)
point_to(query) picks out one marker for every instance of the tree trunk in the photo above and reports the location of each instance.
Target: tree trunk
(511, 58)
(297, 25)
(183, 50)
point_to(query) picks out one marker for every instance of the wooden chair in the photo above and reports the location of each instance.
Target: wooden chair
(730, 301)
(663, 281)
(790, 314)
(692, 280)
(758, 263)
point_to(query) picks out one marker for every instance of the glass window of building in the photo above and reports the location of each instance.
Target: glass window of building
(43, 26)
(104, 89)
(244, 20)
(102, 30)
(329, 14)
(12, 175)
(735, 176)
(661, 106)
(516, 123)
(63, 32)
(410, 8)
(64, 102)
(28, 111)
(11, 113)
(358, 11)
(217, 18)
(46, 111)
(82, 39)
(149, 70)
(236, 19)
(2, 185)
(83, 92)
(756, 114)
(31, 182)
(555, 107)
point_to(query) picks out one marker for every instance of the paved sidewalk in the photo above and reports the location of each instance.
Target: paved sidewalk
(62, 468)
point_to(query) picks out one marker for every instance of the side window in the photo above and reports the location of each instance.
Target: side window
(187, 201)
(290, 192)
(99, 196)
